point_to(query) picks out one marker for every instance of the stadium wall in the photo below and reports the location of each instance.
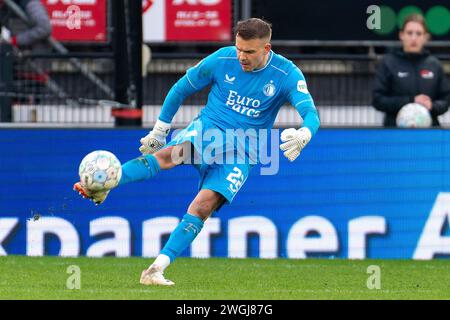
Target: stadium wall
(353, 193)
(330, 116)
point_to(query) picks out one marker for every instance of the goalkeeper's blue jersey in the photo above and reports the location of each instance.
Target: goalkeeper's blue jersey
(244, 100)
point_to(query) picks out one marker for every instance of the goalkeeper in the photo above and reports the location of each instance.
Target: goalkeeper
(250, 83)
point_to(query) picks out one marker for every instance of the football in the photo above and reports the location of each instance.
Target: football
(414, 115)
(100, 170)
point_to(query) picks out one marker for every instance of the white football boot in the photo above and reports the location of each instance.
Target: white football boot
(154, 276)
(97, 197)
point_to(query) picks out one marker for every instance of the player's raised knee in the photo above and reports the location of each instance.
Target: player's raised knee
(171, 156)
(164, 158)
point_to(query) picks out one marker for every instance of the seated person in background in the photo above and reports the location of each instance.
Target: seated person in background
(29, 37)
(410, 74)
(23, 35)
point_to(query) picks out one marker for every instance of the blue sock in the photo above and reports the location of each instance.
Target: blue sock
(139, 169)
(183, 235)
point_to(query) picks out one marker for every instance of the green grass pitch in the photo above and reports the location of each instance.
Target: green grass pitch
(224, 279)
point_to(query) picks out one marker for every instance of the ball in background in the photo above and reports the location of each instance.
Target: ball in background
(414, 115)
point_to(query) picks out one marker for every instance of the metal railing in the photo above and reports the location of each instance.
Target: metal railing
(340, 84)
(40, 81)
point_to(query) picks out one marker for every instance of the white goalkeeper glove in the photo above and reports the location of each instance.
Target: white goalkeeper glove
(156, 139)
(294, 141)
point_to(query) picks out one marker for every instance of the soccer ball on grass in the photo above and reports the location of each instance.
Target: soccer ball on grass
(100, 170)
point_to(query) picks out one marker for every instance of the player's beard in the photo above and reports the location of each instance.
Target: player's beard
(246, 66)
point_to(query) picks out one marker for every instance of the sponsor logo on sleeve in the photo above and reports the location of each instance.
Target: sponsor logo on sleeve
(301, 86)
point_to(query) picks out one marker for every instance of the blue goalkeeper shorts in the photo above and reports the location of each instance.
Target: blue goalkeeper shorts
(222, 168)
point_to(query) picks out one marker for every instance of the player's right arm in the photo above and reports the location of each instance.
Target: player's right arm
(195, 79)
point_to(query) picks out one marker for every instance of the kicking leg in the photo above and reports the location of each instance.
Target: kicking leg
(139, 169)
(204, 204)
(148, 166)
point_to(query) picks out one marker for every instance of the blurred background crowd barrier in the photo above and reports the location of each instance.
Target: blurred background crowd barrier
(341, 90)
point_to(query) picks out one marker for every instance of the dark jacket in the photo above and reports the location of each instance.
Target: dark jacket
(401, 76)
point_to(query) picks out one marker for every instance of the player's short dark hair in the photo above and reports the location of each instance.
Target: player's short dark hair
(415, 17)
(253, 28)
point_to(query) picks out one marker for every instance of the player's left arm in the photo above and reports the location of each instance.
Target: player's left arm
(294, 140)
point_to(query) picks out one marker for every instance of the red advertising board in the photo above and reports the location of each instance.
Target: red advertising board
(188, 20)
(77, 20)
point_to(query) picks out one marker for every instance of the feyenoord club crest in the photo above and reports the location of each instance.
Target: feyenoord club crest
(269, 89)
